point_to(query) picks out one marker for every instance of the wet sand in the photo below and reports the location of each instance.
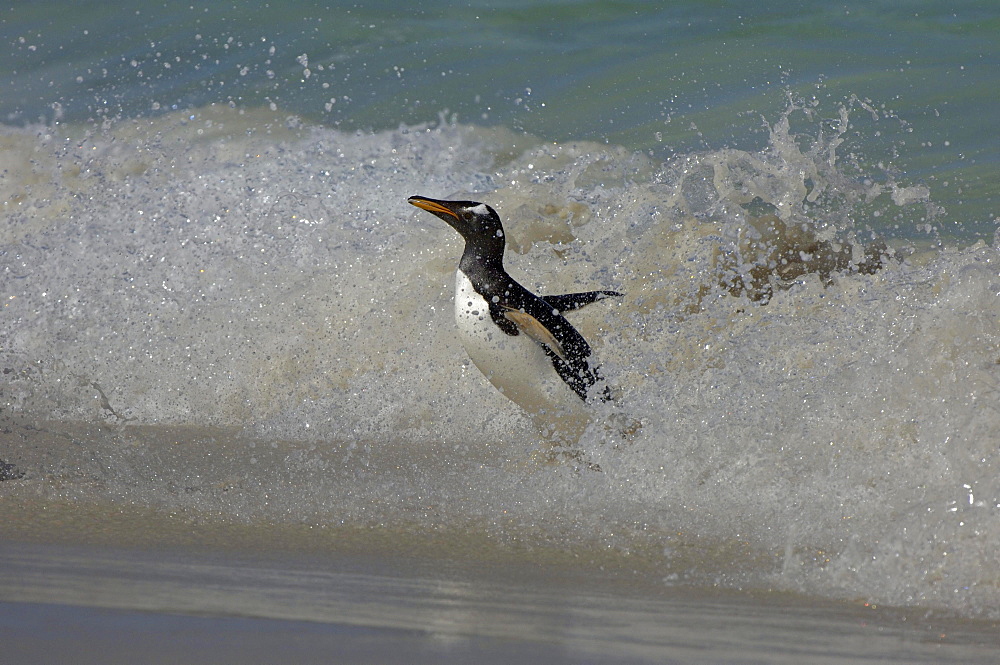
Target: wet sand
(187, 603)
(51, 633)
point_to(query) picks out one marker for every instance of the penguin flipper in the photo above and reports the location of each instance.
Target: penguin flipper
(567, 302)
(534, 329)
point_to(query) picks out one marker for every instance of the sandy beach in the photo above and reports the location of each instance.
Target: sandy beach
(196, 593)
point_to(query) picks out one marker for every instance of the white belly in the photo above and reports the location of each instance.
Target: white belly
(515, 364)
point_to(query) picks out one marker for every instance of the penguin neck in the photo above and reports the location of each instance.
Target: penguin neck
(483, 265)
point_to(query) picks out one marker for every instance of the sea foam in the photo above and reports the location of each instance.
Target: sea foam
(817, 404)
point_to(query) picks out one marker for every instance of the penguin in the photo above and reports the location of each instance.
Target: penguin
(520, 341)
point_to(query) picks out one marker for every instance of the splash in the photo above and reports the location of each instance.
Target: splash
(815, 395)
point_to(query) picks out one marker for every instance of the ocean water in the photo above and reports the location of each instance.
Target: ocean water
(217, 305)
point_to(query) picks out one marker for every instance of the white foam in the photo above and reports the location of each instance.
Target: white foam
(840, 439)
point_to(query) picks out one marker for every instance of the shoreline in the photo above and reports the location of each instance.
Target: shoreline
(191, 602)
(105, 636)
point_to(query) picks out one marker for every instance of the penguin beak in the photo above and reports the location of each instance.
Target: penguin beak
(432, 206)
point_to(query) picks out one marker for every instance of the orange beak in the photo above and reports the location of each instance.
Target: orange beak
(430, 206)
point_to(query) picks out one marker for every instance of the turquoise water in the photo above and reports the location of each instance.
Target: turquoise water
(658, 77)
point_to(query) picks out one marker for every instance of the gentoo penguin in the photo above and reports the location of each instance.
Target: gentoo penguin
(521, 342)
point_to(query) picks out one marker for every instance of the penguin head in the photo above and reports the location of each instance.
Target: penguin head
(478, 223)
